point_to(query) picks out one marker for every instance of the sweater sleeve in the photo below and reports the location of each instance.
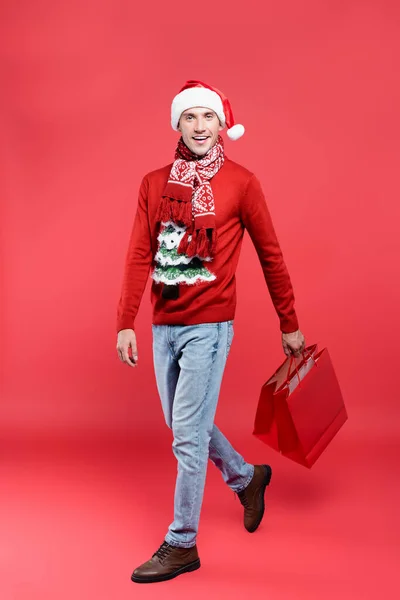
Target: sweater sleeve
(257, 220)
(137, 263)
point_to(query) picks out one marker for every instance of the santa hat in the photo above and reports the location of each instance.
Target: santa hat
(197, 93)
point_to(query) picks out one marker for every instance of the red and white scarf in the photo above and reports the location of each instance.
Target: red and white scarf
(188, 198)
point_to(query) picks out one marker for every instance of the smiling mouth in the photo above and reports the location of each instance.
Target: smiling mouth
(201, 140)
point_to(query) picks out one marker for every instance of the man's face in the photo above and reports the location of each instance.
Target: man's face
(199, 122)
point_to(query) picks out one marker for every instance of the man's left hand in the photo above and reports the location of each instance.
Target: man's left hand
(293, 343)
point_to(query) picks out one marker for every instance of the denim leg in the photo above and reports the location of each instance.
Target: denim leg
(236, 472)
(201, 353)
(166, 368)
(189, 364)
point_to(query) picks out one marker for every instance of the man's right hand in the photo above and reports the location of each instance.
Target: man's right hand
(127, 339)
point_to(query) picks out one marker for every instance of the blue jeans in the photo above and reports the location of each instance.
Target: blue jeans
(189, 362)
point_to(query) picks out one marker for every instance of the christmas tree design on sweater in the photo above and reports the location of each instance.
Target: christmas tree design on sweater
(173, 268)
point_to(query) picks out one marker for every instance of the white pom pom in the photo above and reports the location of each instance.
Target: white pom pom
(235, 132)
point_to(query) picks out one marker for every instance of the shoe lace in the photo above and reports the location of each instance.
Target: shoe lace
(243, 498)
(163, 550)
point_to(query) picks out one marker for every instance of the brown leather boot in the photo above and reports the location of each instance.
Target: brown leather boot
(252, 497)
(166, 563)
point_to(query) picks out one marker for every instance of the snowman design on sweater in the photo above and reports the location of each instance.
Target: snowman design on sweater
(173, 268)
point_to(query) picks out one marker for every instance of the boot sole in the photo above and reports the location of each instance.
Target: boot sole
(186, 569)
(267, 479)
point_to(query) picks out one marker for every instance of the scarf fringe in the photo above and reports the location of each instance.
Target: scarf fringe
(174, 210)
(201, 244)
(203, 241)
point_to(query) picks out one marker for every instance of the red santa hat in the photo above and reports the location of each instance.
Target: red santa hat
(197, 93)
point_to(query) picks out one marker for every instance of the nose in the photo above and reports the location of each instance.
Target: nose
(199, 128)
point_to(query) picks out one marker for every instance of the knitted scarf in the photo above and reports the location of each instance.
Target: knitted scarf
(188, 198)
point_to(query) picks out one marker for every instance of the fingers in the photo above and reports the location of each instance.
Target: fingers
(293, 349)
(133, 360)
(123, 354)
(299, 351)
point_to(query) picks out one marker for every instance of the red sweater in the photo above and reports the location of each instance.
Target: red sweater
(239, 204)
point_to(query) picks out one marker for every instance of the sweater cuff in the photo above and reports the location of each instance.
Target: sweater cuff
(289, 325)
(125, 322)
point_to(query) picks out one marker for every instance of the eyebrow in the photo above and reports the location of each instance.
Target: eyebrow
(207, 112)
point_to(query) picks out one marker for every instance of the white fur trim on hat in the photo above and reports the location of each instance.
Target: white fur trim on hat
(196, 96)
(235, 132)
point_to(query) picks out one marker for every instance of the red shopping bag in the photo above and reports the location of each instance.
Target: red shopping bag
(299, 412)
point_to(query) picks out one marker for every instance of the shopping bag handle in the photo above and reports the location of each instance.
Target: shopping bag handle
(295, 365)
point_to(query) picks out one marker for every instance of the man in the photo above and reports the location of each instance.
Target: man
(188, 228)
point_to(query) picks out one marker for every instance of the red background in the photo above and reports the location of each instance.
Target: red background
(87, 469)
